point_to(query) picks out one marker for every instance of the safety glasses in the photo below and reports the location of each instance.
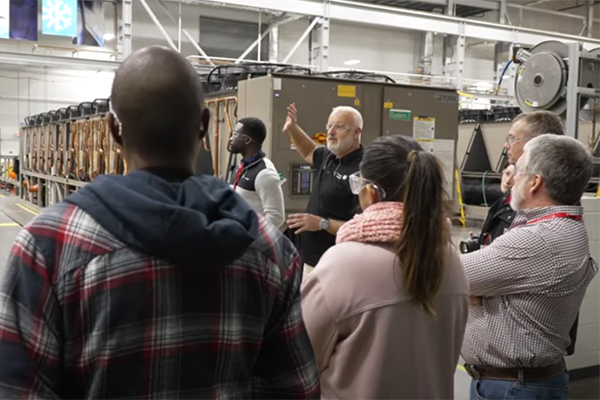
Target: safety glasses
(357, 184)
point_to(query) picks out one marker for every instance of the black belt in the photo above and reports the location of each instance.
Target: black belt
(512, 374)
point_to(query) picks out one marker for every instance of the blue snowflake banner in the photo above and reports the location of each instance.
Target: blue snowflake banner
(4, 19)
(59, 17)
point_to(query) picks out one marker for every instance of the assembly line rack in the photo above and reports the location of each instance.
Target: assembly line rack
(65, 149)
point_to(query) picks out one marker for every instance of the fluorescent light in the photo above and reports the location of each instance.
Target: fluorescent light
(352, 62)
(108, 37)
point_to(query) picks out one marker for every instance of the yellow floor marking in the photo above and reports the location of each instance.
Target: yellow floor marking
(2, 196)
(8, 224)
(27, 209)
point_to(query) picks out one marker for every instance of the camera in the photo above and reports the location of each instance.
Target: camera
(469, 245)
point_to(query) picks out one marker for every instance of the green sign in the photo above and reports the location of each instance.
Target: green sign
(400, 115)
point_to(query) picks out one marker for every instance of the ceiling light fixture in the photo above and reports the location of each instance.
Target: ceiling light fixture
(352, 62)
(108, 37)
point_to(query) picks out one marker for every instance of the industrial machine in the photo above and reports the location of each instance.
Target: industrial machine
(559, 77)
(63, 150)
(562, 78)
(429, 115)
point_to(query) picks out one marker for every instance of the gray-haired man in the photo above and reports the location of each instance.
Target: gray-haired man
(532, 279)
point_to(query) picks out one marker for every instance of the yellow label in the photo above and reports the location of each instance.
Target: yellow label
(320, 138)
(424, 119)
(356, 102)
(346, 91)
(388, 104)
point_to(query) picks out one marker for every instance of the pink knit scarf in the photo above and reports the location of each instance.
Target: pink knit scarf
(379, 223)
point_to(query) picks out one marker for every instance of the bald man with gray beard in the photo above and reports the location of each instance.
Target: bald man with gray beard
(158, 283)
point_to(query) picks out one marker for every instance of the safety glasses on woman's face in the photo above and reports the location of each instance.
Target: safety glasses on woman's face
(357, 184)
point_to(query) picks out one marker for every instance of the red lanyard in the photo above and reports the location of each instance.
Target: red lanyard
(238, 175)
(556, 215)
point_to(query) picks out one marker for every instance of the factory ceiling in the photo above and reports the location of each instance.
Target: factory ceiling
(439, 6)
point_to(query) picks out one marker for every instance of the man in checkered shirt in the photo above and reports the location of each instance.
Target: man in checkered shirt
(532, 279)
(156, 284)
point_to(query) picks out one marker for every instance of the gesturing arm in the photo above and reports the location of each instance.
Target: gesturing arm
(304, 144)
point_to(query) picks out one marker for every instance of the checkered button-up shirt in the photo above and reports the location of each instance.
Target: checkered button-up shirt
(532, 280)
(84, 316)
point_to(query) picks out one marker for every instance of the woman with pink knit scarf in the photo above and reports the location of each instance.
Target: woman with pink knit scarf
(386, 307)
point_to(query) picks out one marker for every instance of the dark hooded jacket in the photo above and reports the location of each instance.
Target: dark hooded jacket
(153, 285)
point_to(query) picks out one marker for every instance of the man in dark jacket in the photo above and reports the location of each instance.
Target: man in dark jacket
(500, 215)
(155, 284)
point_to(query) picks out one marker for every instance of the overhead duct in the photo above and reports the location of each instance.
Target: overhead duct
(274, 45)
(424, 67)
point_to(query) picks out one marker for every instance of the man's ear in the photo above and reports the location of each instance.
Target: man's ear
(204, 122)
(357, 133)
(537, 183)
(115, 128)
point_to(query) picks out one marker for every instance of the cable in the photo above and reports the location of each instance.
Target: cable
(502, 75)
(483, 188)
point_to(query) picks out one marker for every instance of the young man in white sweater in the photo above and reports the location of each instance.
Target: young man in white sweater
(256, 179)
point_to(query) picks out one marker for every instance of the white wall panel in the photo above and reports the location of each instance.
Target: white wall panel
(31, 92)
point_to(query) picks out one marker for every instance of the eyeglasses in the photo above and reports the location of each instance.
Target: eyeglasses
(512, 139)
(358, 183)
(235, 133)
(338, 127)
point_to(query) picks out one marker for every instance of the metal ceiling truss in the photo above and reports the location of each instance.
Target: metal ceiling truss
(391, 17)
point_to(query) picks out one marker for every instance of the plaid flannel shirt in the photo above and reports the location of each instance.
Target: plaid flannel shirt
(83, 316)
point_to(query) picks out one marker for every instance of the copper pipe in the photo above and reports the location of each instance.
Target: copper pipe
(217, 148)
(34, 163)
(73, 149)
(62, 136)
(96, 148)
(42, 165)
(103, 146)
(228, 118)
(52, 139)
(83, 151)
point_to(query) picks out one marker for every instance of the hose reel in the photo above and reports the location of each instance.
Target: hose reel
(541, 82)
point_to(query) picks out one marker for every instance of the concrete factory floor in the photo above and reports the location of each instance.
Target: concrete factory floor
(14, 213)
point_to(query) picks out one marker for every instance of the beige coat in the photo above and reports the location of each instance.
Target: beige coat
(369, 340)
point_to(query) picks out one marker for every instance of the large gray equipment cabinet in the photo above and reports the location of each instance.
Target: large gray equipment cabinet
(428, 114)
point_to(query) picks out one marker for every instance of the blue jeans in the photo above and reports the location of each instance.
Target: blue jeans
(556, 388)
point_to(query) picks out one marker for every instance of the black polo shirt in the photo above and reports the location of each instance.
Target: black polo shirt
(331, 199)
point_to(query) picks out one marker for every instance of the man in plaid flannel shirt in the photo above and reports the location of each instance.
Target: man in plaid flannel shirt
(155, 284)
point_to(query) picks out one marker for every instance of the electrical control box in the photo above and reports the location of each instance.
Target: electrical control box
(303, 176)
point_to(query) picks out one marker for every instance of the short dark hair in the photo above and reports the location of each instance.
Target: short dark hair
(254, 128)
(158, 98)
(541, 122)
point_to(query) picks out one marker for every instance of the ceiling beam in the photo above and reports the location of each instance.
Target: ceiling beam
(47, 61)
(393, 17)
(485, 4)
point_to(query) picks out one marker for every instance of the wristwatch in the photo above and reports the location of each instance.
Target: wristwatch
(324, 224)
